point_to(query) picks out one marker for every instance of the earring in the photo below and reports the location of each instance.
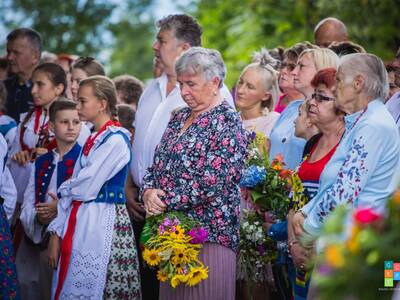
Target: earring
(215, 93)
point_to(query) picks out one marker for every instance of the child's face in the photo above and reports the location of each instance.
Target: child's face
(89, 106)
(44, 92)
(66, 126)
(77, 75)
(300, 124)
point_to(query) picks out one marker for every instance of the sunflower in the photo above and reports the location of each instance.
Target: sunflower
(151, 257)
(197, 274)
(178, 279)
(179, 268)
(161, 276)
(179, 233)
(180, 256)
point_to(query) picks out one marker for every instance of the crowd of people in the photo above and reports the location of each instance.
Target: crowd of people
(85, 159)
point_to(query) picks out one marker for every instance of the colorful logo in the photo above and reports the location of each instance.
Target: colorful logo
(392, 272)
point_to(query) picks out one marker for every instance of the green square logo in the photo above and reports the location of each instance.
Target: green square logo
(388, 264)
(388, 282)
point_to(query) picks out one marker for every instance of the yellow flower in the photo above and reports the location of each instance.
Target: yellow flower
(396, 197)
(179, 233)
(178, 267)
(334, 256)
(197, 274)
(277, 167)
(353, 243)
(161, 276)
(180, 256)
(175, 281)
(178, 279)
(151, 257)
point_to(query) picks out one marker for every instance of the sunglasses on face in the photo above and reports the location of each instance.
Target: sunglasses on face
(320, 98)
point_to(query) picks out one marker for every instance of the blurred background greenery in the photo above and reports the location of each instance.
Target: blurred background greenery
(120, 33)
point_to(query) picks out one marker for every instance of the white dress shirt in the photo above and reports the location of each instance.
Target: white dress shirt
(152, 117)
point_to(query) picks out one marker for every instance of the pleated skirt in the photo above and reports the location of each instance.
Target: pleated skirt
(220, 284)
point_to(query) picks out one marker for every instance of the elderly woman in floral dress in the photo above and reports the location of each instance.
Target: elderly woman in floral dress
(197, 168)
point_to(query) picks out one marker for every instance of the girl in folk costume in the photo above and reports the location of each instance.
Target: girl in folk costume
(33, 136)
(40, 203)
(98, 255)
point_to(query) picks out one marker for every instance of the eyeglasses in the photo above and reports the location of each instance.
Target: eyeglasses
(320, 98)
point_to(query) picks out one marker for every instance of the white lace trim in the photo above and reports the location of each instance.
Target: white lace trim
(86, 277)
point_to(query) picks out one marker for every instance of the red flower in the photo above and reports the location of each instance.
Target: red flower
(69, 163)
(366, 216)
(284, 174)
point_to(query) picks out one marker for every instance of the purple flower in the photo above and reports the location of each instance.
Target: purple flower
(324, 270)
(166, 222)
(199, 235)
(161, 229)
(175, 222)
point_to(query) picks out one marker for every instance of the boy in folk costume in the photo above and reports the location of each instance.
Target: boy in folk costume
(98, 254)
(40, 202)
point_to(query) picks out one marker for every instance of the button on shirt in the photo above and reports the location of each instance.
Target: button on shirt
(152, 117)
(283, 140)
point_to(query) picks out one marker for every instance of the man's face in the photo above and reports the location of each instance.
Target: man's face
(167, 49)
(21, 56)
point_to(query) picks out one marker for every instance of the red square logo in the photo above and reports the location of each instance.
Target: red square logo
(388, 273)
(396, 267)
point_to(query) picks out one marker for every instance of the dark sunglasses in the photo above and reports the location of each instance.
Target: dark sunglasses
(320, 98)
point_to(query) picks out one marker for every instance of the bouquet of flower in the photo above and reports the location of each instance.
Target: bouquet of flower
(172, 242)
(355, 247)
(269, 182)
(256, 249)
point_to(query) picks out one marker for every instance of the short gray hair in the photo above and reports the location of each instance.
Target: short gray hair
(371, 68)
(198, 60)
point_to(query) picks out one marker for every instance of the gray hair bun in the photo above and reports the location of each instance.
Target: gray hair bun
(263, 58)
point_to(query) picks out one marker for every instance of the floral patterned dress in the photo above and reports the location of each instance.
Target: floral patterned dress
(8, 273)
(200, 169)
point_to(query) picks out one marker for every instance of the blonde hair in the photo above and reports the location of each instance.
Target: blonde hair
(103, 89)
(263, 62)
(322, 58)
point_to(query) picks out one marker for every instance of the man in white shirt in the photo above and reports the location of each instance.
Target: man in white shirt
(177, 33)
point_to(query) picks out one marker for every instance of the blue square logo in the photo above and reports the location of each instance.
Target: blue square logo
(388, 264)
(396, 276)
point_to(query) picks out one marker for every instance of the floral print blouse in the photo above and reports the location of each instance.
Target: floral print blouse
(199, 170)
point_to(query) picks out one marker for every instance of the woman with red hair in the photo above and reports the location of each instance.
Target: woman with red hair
(329, 120)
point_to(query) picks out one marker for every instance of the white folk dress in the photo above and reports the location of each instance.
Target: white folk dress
(103, 231)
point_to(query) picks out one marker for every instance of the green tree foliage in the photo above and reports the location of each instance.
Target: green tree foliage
(238, 28)
(132, 52)
(66, 26)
